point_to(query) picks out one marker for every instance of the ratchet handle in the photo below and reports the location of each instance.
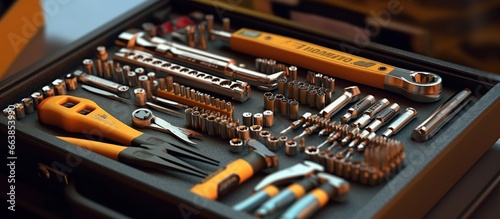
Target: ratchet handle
(80, 115)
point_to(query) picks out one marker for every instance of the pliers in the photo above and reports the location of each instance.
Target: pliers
(80, 115)
(149, 157)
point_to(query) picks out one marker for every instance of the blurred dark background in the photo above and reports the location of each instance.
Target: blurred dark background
(465, 32)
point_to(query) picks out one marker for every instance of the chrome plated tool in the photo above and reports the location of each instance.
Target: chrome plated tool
(106, 94)
(144, 118)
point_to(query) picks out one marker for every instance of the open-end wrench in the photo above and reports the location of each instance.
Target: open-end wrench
(144, 118)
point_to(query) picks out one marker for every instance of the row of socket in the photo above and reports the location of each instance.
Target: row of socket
(380, 159)
(28, 105)
(280, 104)
(307, 94)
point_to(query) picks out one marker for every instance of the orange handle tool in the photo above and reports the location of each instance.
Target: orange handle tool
(79, 115)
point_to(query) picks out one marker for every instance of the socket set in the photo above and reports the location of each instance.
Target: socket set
(371, 138)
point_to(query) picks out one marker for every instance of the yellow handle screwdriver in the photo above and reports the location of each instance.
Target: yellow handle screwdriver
(80, 115)
(415, 85)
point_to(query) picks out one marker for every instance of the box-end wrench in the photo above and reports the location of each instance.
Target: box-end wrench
(223, 66)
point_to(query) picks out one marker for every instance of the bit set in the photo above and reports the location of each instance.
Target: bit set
(213, 123)
(368, 165)
(171, 90)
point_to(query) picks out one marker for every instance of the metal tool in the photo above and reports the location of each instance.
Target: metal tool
(121, 90)
(400, 122)
(222, 66)
(384, 116)
(237, 90)
(430, 126)
(236, 145)
(350, 95)
(267, 188)
(146, 156)
(371, 112)
(106, 94)
(332, 187)
(28, 105)
(360, 106)
(71, 81)
(295, 124)
(315, 127)
(80, 115)
(140, 99)
(415, 85)
(194, 98)
(238, 171)
(144, 118)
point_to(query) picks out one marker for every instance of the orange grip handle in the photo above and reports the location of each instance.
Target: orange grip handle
(224, 179)
(310, 56)
(80, 115)
(108, 150)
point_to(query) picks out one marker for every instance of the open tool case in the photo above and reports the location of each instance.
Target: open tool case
(64, 180)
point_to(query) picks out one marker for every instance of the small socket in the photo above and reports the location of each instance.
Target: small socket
(236, 145)
(268, 118)
(273, 143)
(247, 118)
(243, 132)
(290, 148)
(258, 119)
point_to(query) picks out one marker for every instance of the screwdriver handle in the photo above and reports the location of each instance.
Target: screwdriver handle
(80, 115)
(310, 203)
(257, 199)
(108, 150)
(225, 179)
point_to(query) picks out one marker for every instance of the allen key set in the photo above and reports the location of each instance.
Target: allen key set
(290, 128)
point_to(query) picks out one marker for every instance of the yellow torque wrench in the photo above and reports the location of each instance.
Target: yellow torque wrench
(415, 85)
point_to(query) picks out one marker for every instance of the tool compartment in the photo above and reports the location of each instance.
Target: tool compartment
(430, 168)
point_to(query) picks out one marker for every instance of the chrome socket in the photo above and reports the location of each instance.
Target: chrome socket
(268, 118)
(37, 99)
(255, 131)
(71, 82)
(264, 136)
(28, 105)
(258, 119)
(273, 143)
(243, 132)
(59, 86)
(48, 91)
(19, 109)
(291, 148)
(236, 145)
(247, 118)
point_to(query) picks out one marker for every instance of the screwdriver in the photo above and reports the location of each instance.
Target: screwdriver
(331, 187)
(415, 85)
(295, 124)
(238, 171)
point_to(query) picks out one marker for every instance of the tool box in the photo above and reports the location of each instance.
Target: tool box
(54, 178)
